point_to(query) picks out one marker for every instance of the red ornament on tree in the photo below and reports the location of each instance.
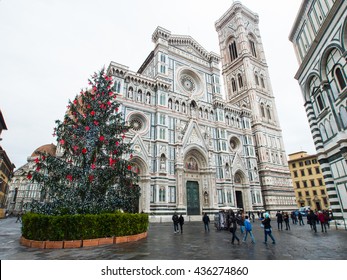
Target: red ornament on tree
(69, 177)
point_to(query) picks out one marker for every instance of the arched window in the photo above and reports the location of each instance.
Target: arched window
(252, 47)
(200, 112)
(333, 125)
(268, 112)
(183, 107)
(170, 104)
(343, 116)
(116, 86)
(262, 110)
(162, 194)
(262, 81)
(239, 78)
(256, 79)
(233, 84)
(177, 106)
(206, 114)
(233, 51)
(340, 78)
(328, 129)
(323, 132)
(148, 98)
(227, 120)
(212, 115)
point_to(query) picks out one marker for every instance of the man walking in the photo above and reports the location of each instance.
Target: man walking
(301, 222)
(279, 220)
(206, 220)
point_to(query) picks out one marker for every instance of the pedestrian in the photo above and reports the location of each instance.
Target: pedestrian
(267, 228)
(321, 218)
(327, 219)
(175, 222)
(248, 229)
(233, 228)
(19, 217)
(312, 220)
(241, 222)
(293, 217)
(253, 218)
(181, 222)
(301, 221)
(206, 220)
(286, 220)
(279, 220)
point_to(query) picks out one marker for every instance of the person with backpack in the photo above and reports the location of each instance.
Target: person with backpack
(248, 229)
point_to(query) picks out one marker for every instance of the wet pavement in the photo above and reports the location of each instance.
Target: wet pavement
(300, 243)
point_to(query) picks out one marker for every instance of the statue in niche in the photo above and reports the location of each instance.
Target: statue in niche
(162, 163)
(227, 174)
(205, 197)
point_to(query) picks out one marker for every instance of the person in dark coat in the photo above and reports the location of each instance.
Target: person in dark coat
(181, 222)
(301, 221)
(206, 220)
(312, 220)
(175, 222)
(233, 228)
(279, 220)
(267, 228)
(286, 220)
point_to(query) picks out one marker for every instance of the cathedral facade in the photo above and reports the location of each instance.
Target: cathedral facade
(196, 150)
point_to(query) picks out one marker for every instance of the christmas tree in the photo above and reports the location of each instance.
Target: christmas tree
(92, 173)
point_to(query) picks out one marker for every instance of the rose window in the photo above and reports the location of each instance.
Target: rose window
(136, 124)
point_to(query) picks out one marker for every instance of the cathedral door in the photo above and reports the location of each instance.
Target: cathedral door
(239, 201)
(193, 202)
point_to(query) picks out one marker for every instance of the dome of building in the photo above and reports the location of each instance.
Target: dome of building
(49, 149)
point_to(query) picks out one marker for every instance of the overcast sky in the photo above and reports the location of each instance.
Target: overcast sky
(49, 48)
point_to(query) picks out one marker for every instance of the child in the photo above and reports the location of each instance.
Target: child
(248, 228)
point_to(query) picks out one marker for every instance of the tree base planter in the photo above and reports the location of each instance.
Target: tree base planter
(68, 244)
(54, 244)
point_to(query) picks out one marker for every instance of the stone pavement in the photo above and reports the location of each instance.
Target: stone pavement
(300, 243)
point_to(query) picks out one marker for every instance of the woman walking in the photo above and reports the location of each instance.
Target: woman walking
(267, 228)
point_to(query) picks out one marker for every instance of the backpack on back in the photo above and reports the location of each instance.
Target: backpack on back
(248, 225)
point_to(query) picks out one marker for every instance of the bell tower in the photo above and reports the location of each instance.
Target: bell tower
(247, 84)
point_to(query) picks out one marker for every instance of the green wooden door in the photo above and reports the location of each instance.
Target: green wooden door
(193, 201)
